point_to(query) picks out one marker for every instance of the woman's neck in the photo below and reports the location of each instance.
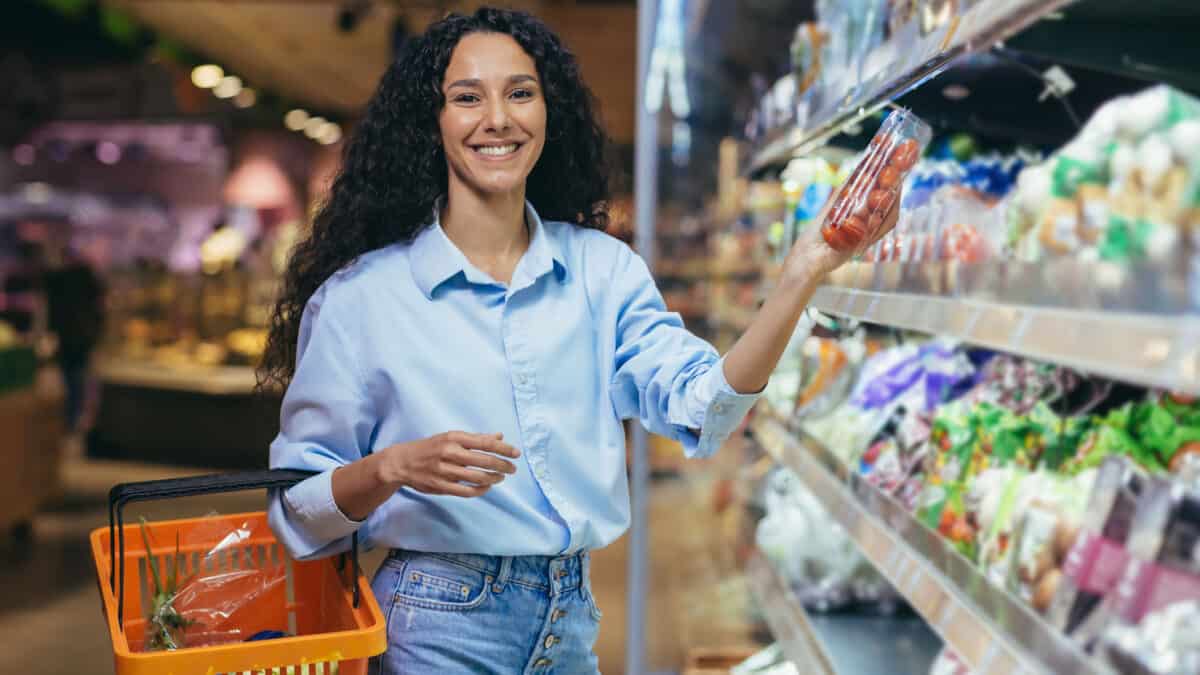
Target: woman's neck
(489, 229)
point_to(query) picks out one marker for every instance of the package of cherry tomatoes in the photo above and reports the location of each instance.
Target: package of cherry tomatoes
(866, 198)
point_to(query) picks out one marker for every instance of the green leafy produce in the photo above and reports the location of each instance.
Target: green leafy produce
(165, 626)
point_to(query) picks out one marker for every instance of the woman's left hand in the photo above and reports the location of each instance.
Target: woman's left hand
(811, 257)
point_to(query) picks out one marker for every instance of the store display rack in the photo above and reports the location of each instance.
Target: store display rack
(993, 631)
(898, 69)
(210, 380)
(787, 618)
(1136, 333)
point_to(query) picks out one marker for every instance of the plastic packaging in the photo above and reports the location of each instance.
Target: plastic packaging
(1163, 644)
(862, 205)
(204, 607)
(1097, 557)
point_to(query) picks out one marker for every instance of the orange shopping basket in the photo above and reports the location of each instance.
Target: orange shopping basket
(333, 620)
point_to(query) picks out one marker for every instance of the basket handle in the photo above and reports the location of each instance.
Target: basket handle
(171, 488)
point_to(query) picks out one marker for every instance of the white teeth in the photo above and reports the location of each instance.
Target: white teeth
(498, 150)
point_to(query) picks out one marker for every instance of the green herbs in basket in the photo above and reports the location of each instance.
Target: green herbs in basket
(165, 626)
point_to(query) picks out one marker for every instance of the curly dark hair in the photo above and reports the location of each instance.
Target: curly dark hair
(394, 169)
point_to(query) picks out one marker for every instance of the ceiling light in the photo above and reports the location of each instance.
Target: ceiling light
(295, 119)
(37, 193)
(108, 152)
(312, 128)
(245, 98)
(956, 92)
(207, 76)
(228, 87)
(329, 134)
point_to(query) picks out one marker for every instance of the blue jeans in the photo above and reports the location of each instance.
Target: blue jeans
(454, 613)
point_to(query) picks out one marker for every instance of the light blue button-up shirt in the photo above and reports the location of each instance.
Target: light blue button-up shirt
(413, 340)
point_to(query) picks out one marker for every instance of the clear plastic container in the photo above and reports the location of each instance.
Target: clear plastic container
(863, 204)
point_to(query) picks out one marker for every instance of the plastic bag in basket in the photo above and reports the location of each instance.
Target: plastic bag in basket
(206, 594)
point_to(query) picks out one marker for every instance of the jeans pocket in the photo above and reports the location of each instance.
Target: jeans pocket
(432, 582)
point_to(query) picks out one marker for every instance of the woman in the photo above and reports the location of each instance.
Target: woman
(461, 343)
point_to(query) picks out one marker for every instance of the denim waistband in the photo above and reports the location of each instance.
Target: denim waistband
(553, 574)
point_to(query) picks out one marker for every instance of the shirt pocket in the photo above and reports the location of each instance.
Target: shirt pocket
(434, 583)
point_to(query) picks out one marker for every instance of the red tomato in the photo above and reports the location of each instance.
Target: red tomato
(965, 244)
(845, 235)
(905, 155)
(889, 177)
(880, 200)
(881, 140)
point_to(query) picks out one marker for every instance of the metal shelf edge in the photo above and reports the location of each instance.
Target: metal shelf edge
(992, 630)
(787, 618)
(978, 29)
(1146, 349)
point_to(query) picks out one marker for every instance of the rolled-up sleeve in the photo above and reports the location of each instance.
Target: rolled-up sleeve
(671, 380)
(326, 421)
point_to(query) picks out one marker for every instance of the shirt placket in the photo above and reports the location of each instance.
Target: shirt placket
(529, 415)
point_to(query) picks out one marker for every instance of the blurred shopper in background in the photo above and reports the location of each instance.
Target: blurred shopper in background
(75, 314)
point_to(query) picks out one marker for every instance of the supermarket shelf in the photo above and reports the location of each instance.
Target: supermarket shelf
(214, 381)
(977, 29)
(863, 643)
(846, 642)
(1159, 349)
(702, 270)
(992, 630)
(786, 616)
(733, 318)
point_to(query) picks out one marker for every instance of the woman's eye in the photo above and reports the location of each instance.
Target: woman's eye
(522, 93)
(466, 98)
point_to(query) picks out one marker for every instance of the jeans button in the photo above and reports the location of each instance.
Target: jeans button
(556, 615)
(550, 640)
(542, 663)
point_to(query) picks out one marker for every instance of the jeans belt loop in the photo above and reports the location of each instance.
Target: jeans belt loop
(503, 574)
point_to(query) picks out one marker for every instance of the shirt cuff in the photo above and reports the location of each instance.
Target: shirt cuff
(716, 410)
(314, 510)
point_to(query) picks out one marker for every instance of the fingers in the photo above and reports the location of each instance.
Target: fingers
(492, 443)
(462, 474)
(889, 222)
(445, 487)
(471, 458)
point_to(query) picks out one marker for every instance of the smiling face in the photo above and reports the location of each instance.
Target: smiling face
(493, 123)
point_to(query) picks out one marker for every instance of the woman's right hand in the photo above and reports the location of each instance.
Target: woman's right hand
(454, 463)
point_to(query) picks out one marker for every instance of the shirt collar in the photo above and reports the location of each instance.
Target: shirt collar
(435, 259)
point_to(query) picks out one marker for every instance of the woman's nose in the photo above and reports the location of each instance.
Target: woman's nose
(498, 118)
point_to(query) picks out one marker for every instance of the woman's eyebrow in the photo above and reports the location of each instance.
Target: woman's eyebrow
(464, 83)
(475, 82)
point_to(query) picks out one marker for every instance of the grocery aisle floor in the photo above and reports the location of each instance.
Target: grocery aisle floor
(50, 621)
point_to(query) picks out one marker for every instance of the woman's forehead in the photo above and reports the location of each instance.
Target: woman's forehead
(489, 57)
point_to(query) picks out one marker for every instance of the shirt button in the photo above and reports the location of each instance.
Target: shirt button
(542, 663)
(719, 408)
(558, 614)
(550, 640)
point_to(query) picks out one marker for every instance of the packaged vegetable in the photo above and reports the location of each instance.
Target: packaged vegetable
(863, 204)
(1097, 557)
